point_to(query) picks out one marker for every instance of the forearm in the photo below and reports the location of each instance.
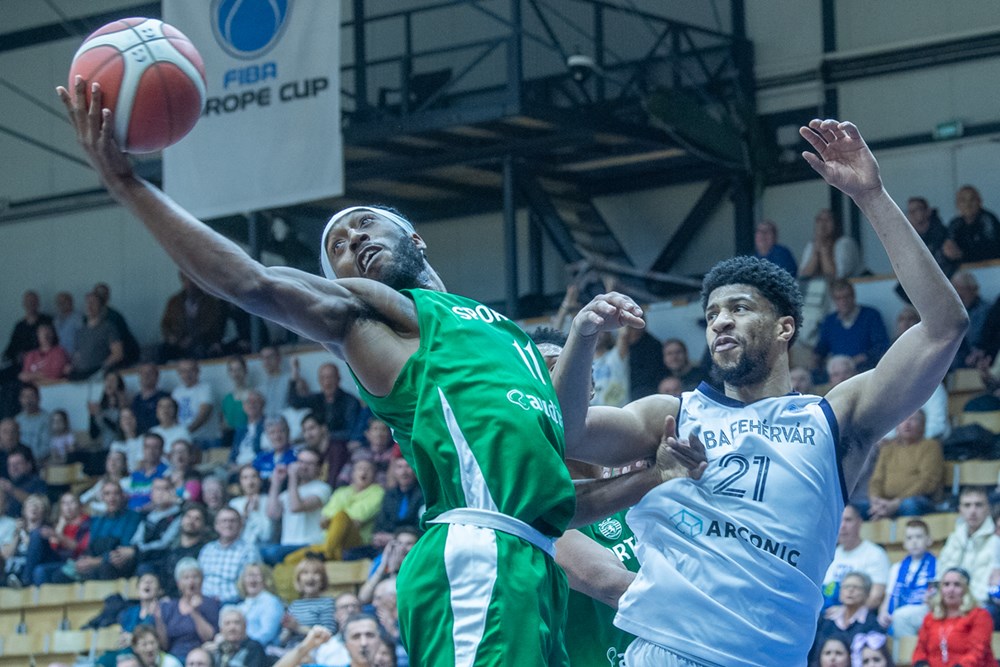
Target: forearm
(599, 498)
(204, 629)
(941, 311)
(273, 502)
(592, 569)
(572, 380)
(204, 412)
(214, 262)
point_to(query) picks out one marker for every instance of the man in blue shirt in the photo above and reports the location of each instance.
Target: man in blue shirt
(765, 241)
(852, 330)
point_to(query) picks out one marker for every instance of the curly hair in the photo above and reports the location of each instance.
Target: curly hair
(773, 282)
(549, 335)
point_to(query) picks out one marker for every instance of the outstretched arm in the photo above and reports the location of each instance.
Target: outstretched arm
(318, 309)
(869, 405)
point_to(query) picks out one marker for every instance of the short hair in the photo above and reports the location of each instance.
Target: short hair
(548, 335)
(974, 491)
(773, 282)
(919, 200)
(156, 436)
(276, 421)
(186, 564)
(30, 386)
(314, 417)
(858, 574)
(232, 609)
(307, 563)
(918, 523)
(841, 284)
(144, 630)
(354, 618)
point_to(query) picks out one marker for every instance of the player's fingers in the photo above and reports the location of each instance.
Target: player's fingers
(814, 138)
(94, 111)
(815, 162)
(633, 320)
(669, 427)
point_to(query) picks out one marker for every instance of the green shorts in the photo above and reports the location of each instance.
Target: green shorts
(471, 596)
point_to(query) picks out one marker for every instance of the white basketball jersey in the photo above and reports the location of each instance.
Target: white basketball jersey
(732, 565)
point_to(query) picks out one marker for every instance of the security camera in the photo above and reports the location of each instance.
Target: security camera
(580, 67)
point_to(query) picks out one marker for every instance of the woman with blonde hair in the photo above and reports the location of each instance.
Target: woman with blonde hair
(312, 608)
(957, 631)
(34, 517)
(261, 607)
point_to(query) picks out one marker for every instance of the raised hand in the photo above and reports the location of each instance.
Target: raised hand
(608, 312)
(842, 157)
(677, 458)
(94, 127)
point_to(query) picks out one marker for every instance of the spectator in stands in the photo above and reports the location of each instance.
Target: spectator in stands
(148, 649)
(145, 403)
(104, 413)
(247, 438)
(130, 346)
(337, 408)
(834, 653)
(384, 606)
(852, 330)
(299, 507)
(223, 559)
(851, 617)
(10, 440)
(50, 547)
(67, 322)
(610, 371)
(115, 470)
(854, 554)
(277, 382)
(24, 336)
(957, 631)
(905, 605)
(670, 386)
(108, 532)
(388, 562)
(199, 657)
(675, 358)
(232, 646)
(48, 362)
(267, 461)
(909, 472)
(830, 254)
(967, 286)
(645, 362)
(144, 613)
(99, 344)
(381, 447)
(349, 515)
(8, 524)
(972, 544)
(932, 232)
(839, 367)
(190, 620)
(974, 234)
(801, 380)
(936, 424)
(192, 539)
(214, 495)
(402, 504)
(312, 607)
(192, 325)
(258, 527)
(152, 467)
(315, 640)
(261, 607)
(871, 649)
(196, 407)
(34, 515)
(33, 423)
(766, 246)
(62, 440)
(129, 441)
(233, 415)
(182, 474)
(335, 454)
(22, 480)
(147, 550)
(985, 350)
(169, 429)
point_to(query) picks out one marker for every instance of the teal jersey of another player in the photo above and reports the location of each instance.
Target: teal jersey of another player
(475, 414)
(592, 640)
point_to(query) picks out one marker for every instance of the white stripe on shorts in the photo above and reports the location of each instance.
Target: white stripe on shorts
(642, 653)
(470, 561)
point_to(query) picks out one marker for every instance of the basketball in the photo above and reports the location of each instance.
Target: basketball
(152, 78)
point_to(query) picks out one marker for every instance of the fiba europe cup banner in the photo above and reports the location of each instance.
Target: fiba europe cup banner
(269, 134)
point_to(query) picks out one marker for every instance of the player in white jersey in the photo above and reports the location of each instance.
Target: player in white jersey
(732, 564)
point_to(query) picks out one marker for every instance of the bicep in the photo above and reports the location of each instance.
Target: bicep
(616, 436)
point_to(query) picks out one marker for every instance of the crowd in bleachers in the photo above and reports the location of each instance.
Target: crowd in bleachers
(220, 526)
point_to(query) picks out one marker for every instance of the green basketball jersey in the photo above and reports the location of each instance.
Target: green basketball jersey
(592, 640)
(475, 414)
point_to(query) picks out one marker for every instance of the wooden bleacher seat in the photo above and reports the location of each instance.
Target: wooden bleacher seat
(13, 598)
(881, 532)
(963, 384)
(347, 576)
(106, 639)
(902, 650)
(98, 590)
(72, 642)
(988, 420)
(977, 472)
(63, 474)
(941, 524)
(55, 594)
(22, 645)
(995, 643)
(80, 612)
(44, 619)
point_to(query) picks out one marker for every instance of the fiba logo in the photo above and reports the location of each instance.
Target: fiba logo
(249, 28)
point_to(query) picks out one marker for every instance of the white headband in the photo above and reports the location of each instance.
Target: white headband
(324, 259)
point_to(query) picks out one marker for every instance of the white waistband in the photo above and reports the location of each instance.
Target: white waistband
(497, 521)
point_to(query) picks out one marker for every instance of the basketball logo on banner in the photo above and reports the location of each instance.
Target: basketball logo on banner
(248, 29)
